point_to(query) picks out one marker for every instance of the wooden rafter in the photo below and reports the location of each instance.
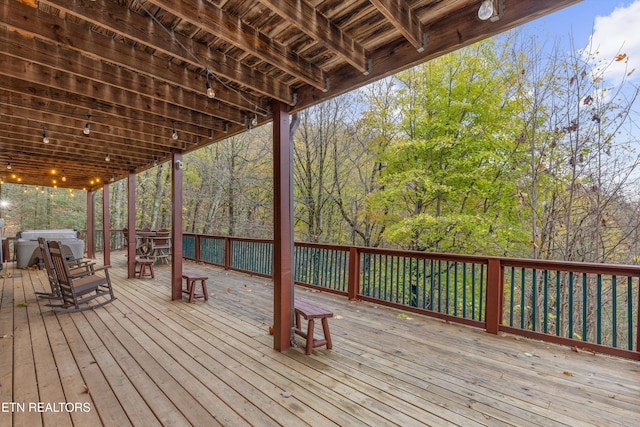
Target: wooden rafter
(400, 15)
(319, 28)
(234, 31)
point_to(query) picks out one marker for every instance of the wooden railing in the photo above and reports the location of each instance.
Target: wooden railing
(590, 307)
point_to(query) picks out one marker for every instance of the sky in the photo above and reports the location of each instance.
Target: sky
(614, 26)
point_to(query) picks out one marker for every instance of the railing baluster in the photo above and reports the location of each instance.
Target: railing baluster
(614, 311)
(522, 297)
(512, 290)
(599, 310)
(629, 314)
(545, 302)
(558, 303)
(585, 307)
(534, 299)
(455, 289)
(571, 304)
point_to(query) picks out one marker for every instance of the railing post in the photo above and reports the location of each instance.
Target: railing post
(354, 273)
(227, 253)
(493, 313)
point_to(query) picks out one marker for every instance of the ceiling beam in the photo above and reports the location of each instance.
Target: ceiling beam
(231, 29)
(111, 16)
(315, 25)
(116, 125)
(29, 20)
(404, 19)
(99, 79)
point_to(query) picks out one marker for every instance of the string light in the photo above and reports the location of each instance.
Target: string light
(207, 70)
(210, 92)
(8, 165)
(489, 11)
(87, 127)
(174, 134)
(254, 120)
(45, 137)
(107, 158)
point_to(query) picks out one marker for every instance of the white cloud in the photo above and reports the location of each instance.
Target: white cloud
(618, 33)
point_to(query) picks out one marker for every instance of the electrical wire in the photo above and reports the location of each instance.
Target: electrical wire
(196, 59)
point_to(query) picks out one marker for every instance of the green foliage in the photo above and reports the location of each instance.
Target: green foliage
(449, 181)
(30, 208)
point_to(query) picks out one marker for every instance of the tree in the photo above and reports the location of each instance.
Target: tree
(449, 184)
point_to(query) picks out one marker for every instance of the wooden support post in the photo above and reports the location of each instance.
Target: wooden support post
(91, 225)
(176, 225)
(106, 226)
(354, 273)
(283, 229)
(493, 314)
(131, 225)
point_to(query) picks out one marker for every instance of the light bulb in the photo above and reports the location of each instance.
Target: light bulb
(174, 135)
(210, 92)
(45, 138)
(107, 158)
(254, 120)
(486, 10)
(87, 129)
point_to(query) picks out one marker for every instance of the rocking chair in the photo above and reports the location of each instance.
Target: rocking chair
(78, 287)
(78, 265)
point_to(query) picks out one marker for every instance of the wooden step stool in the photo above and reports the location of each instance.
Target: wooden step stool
(311, 312)
(191, 279)
(144, 267)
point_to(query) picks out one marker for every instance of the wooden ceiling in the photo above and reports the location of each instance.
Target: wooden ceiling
(135, 70)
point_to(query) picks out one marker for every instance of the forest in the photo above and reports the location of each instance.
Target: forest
(502, 148)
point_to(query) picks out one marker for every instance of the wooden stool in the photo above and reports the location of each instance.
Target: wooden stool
(311, 312)
(144, 267)
(191, 286)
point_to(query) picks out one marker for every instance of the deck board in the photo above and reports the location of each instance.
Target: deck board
(145, 360)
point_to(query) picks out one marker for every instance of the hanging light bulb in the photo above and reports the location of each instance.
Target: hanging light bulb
(210, 92)
(8, 165)
(87, 127)
(486, 10)
(254, 120)
(174, 134)
(45, 137)
(107, 158)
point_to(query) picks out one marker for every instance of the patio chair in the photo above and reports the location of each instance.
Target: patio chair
(79, 287)
(161, 246)
(78, 265)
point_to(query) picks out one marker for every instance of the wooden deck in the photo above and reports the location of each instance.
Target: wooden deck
(145, 360)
